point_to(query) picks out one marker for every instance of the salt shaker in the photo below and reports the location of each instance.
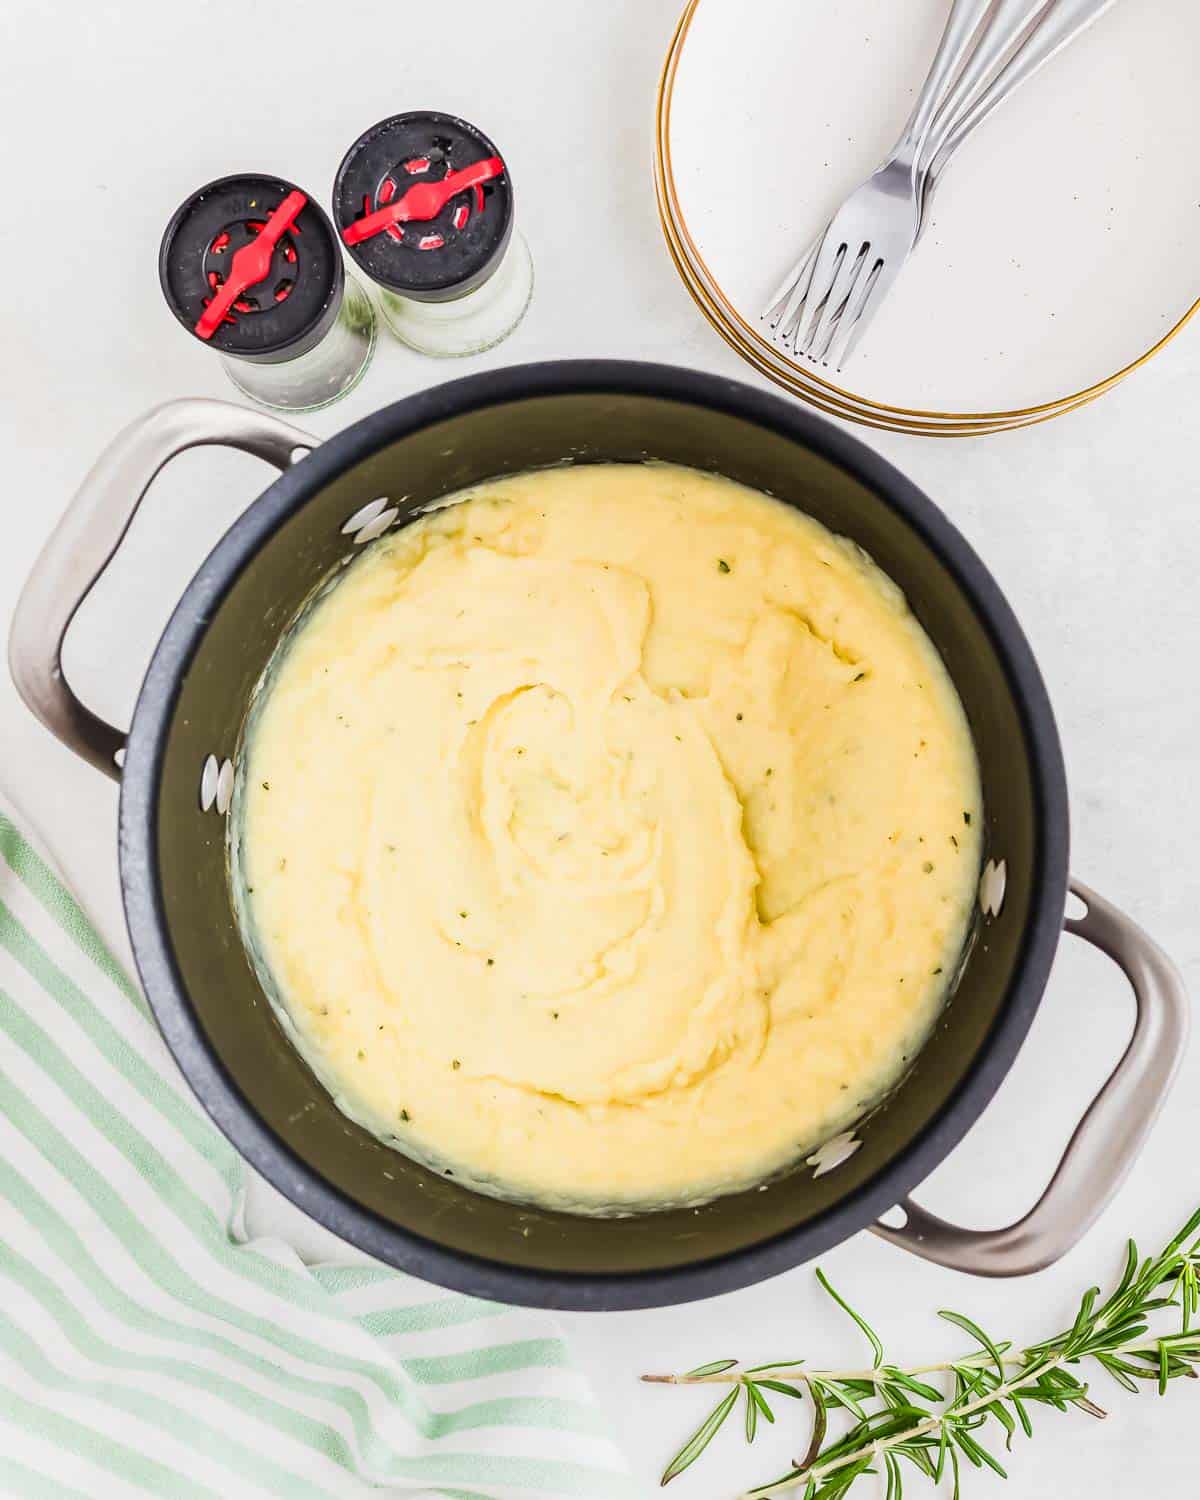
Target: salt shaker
(424, 205)
(252, 267)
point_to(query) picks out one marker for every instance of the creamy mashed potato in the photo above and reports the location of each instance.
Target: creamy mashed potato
(610, 836)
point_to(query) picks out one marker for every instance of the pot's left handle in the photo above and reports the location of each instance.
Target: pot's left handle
(88, 535)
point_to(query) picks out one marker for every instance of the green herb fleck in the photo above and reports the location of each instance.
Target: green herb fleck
(738, 717)
(405, 1116)
(967, 819)
(455, 1064)
(859, 677)
(491, 961)
(723, 566)
(266, 786)
(361, 1055)
(938, 970)
(928, 867)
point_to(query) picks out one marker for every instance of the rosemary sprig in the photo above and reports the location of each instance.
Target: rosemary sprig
(896, 1421)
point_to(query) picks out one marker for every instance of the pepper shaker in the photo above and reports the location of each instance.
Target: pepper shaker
(424, 205)
(252, 267)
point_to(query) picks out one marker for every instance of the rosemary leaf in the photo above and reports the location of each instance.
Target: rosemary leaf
(717, 1367)
(782, 1387)
(819, 1428)
(839, 1394)
(1189, 1229)
(759, 1400)
(773, 1484)
(917, 1387)
(917, 1456)
(871, 1335)
(976, 1452)
(1085, 1313)
(1006, 1420)
(701, 1438)
(977, 1334)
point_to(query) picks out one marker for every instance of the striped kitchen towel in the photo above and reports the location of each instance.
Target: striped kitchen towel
(148, 1347)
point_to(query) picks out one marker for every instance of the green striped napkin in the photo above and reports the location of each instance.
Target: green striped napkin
(148, 1347)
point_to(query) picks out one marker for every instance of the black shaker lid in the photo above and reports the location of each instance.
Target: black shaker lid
(251, 265)
(424, 204)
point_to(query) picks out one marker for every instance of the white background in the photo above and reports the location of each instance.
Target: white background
(110, 113)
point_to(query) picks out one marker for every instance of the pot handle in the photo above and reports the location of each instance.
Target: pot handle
(1107, 1140)
(87, 537)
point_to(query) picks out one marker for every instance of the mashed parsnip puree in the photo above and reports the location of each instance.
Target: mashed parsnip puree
(610, 836)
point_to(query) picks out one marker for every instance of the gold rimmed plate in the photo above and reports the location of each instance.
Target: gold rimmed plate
(799, 378)
(1058, 253)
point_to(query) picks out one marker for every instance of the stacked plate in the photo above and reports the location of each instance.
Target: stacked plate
(1060, 250)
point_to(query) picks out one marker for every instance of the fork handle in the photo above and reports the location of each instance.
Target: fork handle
(962, 26)
(1060, 22)
(1007, 23)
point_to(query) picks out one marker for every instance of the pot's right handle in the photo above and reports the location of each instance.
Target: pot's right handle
(87, 537)
(1107, 1140)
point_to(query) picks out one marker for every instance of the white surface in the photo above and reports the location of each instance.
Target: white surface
(1088, 522)
(1060, 244)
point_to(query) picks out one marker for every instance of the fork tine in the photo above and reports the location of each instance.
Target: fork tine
(828, 262)
(821, 331)
(879, 284)
(799, 294)
(854, 310)
(786, 288)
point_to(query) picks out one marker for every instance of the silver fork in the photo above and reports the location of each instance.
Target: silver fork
(1019, 38)
(893, 182)
(871, 235)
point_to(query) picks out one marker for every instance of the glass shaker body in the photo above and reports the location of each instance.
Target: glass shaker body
(471, 323)
(252, 267)
(424, 204)
(328, 371)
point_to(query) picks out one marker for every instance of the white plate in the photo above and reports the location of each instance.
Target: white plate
(1063, 240)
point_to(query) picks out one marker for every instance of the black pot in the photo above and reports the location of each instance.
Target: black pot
(189, 714)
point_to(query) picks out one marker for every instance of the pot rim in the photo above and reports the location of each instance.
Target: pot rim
(236, 1115)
